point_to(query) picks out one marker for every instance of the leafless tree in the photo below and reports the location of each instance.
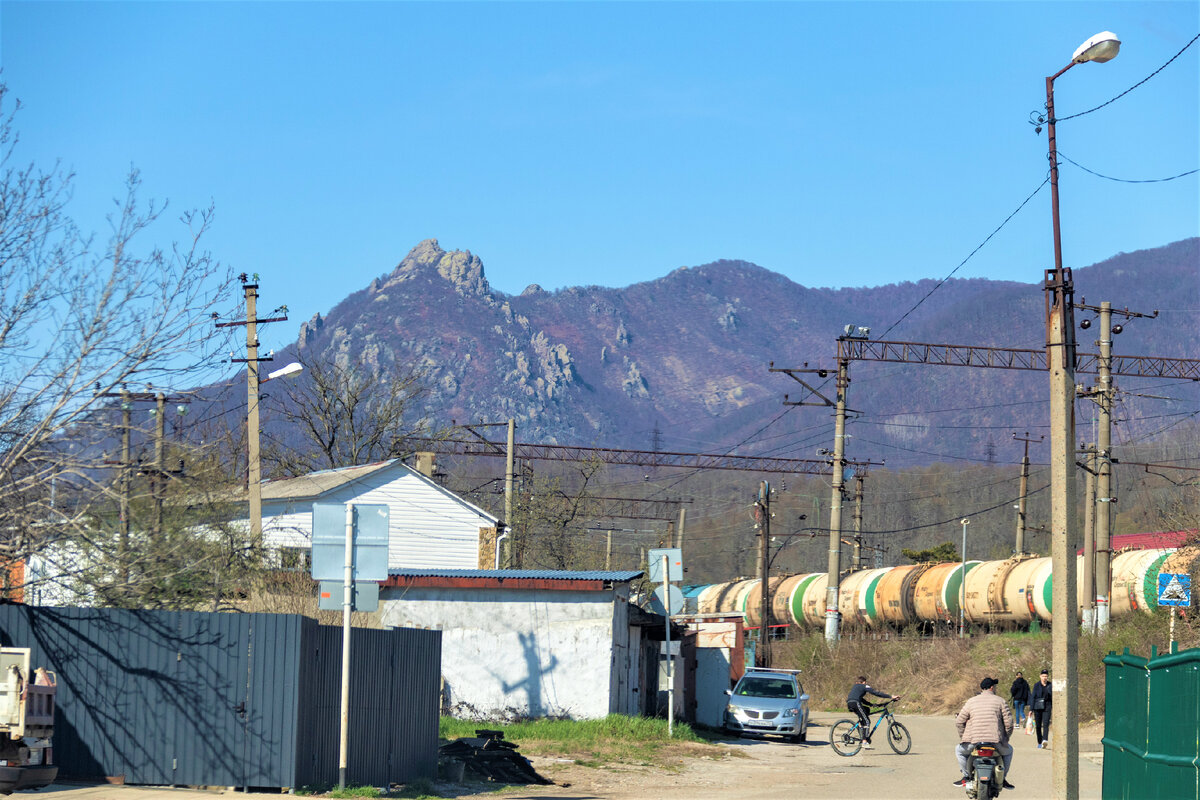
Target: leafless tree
(343, 414)
(82, 318)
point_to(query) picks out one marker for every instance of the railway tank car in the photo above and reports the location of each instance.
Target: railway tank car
(1009, 593)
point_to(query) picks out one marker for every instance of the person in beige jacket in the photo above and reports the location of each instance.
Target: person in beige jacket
(984, 718)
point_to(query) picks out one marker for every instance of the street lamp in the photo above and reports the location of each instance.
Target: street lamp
(1060, 351)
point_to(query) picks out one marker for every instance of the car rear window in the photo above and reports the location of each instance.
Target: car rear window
(782, 688)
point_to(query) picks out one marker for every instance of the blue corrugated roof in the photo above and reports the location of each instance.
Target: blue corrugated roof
(621, 576)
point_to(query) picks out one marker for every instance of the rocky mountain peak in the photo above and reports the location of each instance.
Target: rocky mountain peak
(460, 268)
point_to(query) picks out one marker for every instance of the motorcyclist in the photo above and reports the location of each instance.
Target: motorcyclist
(984, 718)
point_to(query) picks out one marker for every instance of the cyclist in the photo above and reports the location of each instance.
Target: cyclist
(984, 718)
(856, 702)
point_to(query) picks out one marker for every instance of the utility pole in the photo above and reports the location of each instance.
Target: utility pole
(1103, 513)
(508, 488)
(1020, 550)
(763, 512)
(123, 545)
(1089, 539)
(608, 551)
(679, 528)
(835, 508)
(1105, 394)
(858, 504)
(253, 434)
(160, 424)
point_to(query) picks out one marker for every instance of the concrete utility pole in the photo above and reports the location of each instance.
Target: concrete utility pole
(254, 470)
(835, 508)
(508, 488)
(763, 512)
(1019, 549)
(254, 460)
(858, 503)
(1088, 579)
(1104, 499)
(679, 529)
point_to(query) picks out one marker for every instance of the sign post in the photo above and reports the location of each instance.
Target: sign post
(1174, 590)
(669, 562)
(364, 558)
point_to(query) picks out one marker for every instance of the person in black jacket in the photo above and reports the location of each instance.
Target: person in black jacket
(1040, 701)
(1019, 691)
(856, 702)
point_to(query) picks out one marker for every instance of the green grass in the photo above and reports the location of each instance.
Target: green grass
(593, 743)
(420, 789)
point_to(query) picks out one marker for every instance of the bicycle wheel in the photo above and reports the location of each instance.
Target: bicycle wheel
(898, 738)
(845, 737)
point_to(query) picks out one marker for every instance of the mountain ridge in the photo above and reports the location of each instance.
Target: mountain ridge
(688, 352)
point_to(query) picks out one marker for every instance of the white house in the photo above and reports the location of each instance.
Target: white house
(429, 526)
(526, 643)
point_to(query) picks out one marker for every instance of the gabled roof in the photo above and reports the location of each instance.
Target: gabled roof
(317, 484)
(546, 580)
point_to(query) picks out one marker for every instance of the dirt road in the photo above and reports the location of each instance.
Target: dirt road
(813, 770)
(749, 770)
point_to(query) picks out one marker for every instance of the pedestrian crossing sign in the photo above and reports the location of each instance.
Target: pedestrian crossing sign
(1174, 590)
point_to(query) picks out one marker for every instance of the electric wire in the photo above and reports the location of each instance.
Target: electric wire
(1127, 180)
(1131, 88)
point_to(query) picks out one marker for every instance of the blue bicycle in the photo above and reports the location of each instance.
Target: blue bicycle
(847, 735)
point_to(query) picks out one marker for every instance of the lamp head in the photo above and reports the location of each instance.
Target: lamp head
(1102, 47)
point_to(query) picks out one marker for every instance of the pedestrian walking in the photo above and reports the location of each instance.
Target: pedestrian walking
(1019, 692)
(1040, 701)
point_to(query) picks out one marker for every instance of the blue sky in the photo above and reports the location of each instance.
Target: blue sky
(841, 143)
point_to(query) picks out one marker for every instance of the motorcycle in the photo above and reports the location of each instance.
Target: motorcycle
(985, 771)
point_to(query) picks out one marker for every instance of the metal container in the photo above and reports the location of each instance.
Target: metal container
(787, 601)
(722, 598)
(895, 593)
(814, 600)
(753, 603)
(1135, 580)
(1018, 604)
(858, 598)
(929, 597)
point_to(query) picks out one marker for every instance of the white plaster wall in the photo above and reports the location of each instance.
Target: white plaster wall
(516, 653)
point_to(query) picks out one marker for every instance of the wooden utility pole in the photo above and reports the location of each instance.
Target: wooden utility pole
(763, 513)
(126, 469)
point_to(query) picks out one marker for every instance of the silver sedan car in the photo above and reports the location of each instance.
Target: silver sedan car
(768, 702)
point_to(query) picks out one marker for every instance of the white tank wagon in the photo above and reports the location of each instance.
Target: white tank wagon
(1009, 593)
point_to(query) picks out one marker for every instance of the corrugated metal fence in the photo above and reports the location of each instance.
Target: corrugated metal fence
(247, 700)
(1152, 725)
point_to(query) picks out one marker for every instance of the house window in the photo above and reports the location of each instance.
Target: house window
(297, 559)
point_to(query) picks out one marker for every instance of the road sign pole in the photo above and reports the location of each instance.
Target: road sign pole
(666, 572)
(347, 599)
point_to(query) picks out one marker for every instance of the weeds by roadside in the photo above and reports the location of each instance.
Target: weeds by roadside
(936, 675)
(596, 742)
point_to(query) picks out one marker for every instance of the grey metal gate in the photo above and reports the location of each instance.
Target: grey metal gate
(189, 698)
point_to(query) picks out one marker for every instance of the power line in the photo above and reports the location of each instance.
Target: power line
(1126, 180)
(1136, 85)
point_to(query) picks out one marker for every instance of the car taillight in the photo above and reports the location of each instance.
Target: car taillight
(987, 752)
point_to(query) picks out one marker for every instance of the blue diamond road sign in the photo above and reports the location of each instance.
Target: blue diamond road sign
(1174, 590)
